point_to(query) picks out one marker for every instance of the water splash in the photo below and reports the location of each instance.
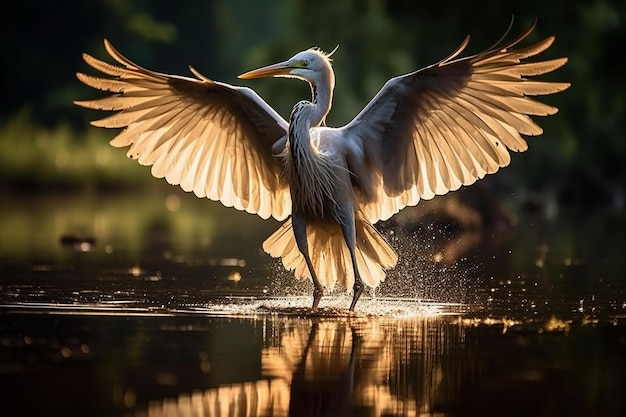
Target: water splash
(291, 306)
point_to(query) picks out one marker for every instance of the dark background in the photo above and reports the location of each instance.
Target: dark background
(578, 162)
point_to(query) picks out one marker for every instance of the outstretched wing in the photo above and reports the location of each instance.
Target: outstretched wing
(210, 138)
(447, 125)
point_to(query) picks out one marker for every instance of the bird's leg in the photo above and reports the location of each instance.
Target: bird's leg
(349, 235)
(358, 283)
(298, 222)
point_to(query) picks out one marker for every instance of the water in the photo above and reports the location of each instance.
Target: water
(164, 305)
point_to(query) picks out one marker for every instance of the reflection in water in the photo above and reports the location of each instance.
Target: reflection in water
(341, 367)
(249, 399)
(48, 229)
(291, 363)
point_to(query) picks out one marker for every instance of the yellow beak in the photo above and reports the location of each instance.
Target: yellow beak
(274, 70)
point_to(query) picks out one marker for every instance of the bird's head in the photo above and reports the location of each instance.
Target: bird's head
(312, 65)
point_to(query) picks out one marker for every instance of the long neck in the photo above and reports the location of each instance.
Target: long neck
(303, 117)
(311, 176)
(322, 97)
(306, 115)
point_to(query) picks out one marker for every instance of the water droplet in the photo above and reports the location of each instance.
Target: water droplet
(234, 277)
(66, 352)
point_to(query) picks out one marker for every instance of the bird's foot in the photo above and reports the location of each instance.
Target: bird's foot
(358, 290)
(317, 296)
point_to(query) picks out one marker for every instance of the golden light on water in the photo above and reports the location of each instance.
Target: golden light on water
(345, 363)
(258, 398)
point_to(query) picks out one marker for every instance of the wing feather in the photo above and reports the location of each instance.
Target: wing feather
(449, 124)
(210, 138)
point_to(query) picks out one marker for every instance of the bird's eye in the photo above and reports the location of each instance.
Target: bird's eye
(305, 62)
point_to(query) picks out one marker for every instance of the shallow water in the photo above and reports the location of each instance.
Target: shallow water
(165, 305)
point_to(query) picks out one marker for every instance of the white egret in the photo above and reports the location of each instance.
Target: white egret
(424, 134)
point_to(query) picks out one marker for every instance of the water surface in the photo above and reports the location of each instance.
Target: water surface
(165, 305)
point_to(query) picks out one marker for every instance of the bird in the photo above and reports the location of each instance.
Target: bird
(423, 134)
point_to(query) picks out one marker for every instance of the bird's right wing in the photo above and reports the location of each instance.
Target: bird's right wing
(210, 138)
(447, 125)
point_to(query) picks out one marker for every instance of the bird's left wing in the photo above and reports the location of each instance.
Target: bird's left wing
(447, 125)
(210, 138)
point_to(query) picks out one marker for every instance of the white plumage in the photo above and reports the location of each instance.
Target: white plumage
(424, 134)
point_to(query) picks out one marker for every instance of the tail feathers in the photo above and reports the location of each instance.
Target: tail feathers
(330, 255)
(374, 255)
(282, 244)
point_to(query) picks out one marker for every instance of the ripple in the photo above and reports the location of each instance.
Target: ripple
(251, 307)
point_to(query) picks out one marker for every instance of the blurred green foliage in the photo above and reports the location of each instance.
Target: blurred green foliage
(45, 138)
(62, 158)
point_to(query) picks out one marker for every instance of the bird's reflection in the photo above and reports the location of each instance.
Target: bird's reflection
(327, 367)
(340, 367)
